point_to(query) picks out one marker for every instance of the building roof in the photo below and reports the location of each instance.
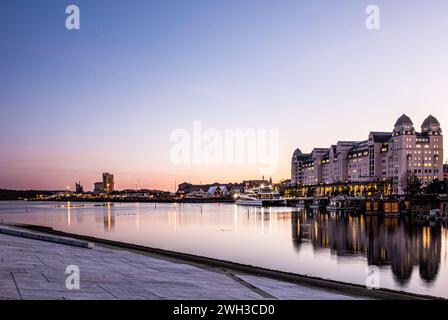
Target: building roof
(404, 120)
(297, 153)
(303, 157)
(214, 189)
(381, 136)
(189, 188)
(422, 135)
(431, 121)
(359, 146)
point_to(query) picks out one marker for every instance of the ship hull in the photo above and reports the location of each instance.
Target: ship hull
(261, 202)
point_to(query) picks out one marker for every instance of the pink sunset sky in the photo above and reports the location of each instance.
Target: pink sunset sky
(107, 97)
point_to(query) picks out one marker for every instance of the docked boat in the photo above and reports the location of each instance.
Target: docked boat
(319, 203)
(386, 207)
(263, 196)
(346, 203)
(304, 203)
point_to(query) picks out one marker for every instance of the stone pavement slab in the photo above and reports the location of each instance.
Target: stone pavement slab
(35, 269)
(291, 291)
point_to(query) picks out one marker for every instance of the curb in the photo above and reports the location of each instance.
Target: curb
(45, 237)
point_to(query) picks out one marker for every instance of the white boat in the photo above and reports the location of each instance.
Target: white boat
(263, 196)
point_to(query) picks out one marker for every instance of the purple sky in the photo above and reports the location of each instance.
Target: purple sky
(74, 104)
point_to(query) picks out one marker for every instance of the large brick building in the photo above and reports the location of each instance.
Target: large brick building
(384, 156)
(445, 172)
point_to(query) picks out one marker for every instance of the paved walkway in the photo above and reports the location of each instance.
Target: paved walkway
(33, 269)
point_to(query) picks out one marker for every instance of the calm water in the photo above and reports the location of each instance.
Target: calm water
(412, 256)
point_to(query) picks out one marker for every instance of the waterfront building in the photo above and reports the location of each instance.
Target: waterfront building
(383, 157)
(250, 184)
(445, 172)
(98, 188)
(108, 182)
(218, 191)
(186, 188)
(79, 188)
(209, 190)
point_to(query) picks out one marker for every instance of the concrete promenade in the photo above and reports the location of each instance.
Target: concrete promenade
(35, 269)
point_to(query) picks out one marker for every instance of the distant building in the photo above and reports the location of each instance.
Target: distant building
(384, 156)
(218, 191)
(79, 188)
(209, 190)
(235, 187)
(187, 188)
(250, 184)
(445, 172)
(98, 188)
(108, 182)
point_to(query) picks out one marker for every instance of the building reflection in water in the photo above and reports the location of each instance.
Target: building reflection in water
(69, 214)
(137, 214)
(108, 218)
(400, 243)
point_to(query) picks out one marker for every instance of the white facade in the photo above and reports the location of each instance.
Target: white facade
(384, 155)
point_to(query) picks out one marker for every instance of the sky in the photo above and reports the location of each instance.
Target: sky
(107, 97)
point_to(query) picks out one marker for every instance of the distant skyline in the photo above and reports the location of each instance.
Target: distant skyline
(105, 98)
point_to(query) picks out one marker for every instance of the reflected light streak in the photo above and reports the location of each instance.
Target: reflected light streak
(69, 220)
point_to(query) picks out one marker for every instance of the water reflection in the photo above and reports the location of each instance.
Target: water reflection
(412, 255)
(69, 215)
(108, 218)
(398, 243)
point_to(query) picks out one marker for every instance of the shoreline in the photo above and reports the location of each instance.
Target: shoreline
(212, 263)
(205, 201)
(32, 268)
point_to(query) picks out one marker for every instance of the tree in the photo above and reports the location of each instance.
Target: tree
(436, 187)
(412, 185)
